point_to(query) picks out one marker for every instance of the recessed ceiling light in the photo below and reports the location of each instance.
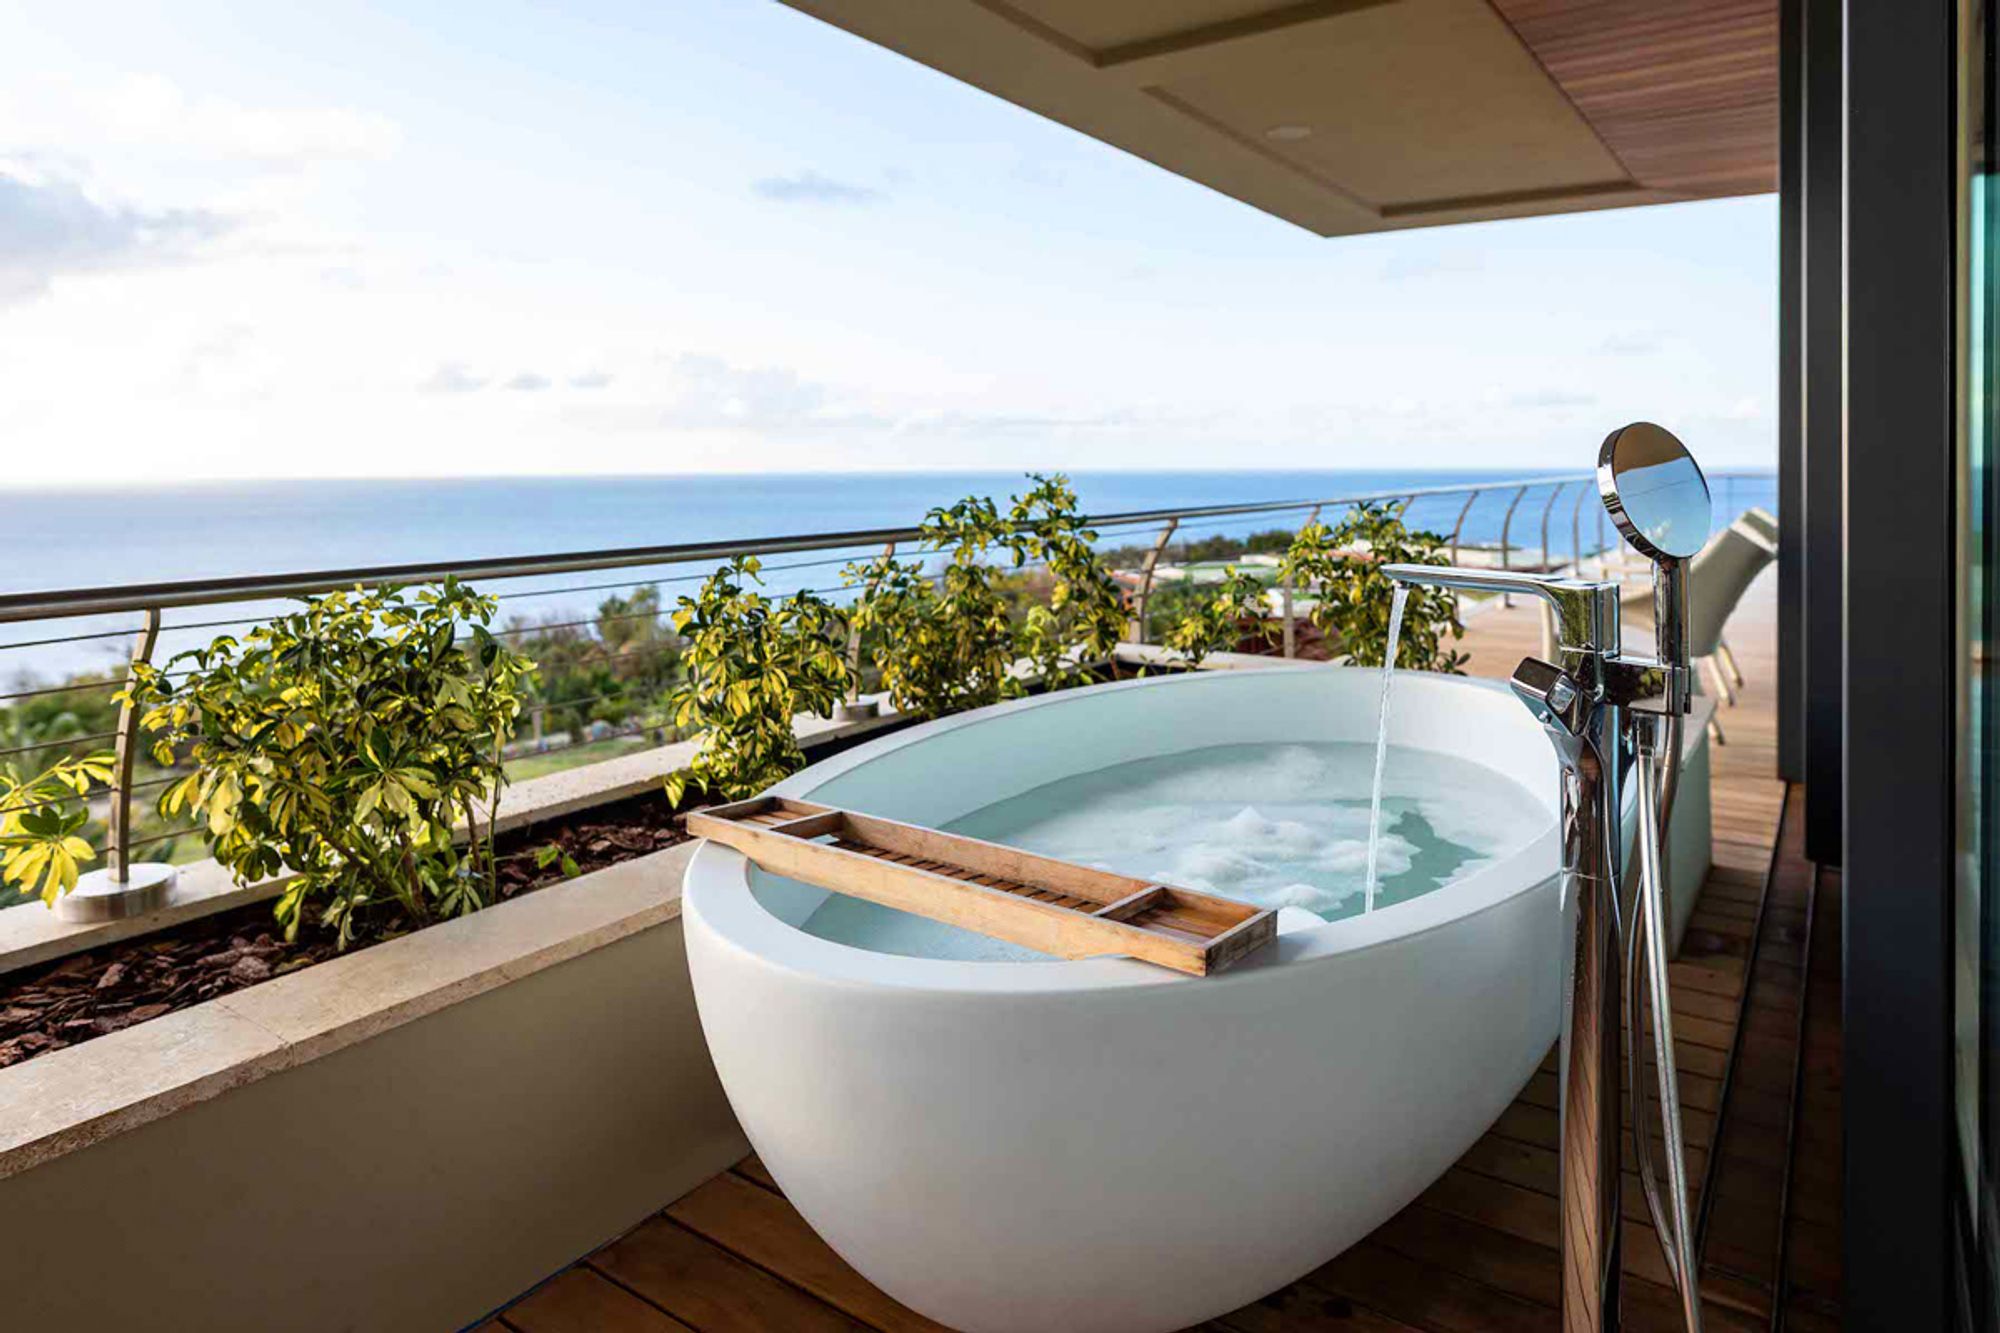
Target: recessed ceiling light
(1288, 133)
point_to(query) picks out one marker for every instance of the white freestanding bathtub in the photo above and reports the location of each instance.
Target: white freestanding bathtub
(1101, 1144)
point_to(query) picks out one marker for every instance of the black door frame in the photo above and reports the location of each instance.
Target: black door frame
(1899, 591)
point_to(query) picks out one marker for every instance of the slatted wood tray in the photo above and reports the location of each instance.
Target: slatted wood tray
(1054, 907)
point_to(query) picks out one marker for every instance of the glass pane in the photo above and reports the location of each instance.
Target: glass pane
(1977, 918)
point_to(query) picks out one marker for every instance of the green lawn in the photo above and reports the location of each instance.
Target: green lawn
(575, 756)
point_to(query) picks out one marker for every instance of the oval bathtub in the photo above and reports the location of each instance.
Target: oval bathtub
(1101, 1144)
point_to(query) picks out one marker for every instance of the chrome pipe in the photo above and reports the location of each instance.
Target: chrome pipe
(1635, 974)
(1652, 896)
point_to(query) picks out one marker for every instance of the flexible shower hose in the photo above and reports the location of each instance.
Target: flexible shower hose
(1658, 770)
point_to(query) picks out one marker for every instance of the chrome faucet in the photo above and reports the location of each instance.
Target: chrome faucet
(1612, 714)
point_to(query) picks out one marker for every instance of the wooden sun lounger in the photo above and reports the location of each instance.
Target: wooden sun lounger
(1054, 907)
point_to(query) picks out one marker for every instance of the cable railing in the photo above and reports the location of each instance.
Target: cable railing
(619, 696)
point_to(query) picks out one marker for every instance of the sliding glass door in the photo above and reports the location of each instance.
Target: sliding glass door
(1976, 952)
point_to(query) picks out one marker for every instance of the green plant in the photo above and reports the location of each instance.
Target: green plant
(552, 854)
(749, 665)
(1354, 595)
(949, 642)
(946, 643)
(1216, 622)
(1084, 616)
(343, 742)
(40, 816)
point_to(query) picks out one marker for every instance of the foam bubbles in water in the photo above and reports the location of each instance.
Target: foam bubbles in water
(1275, 825)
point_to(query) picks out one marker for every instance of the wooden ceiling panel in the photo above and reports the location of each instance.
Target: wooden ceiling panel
(1685, 92)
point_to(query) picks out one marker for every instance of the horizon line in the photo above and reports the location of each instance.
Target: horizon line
(20, 484)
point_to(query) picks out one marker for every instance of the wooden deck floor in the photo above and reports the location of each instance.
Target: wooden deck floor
(1756, 1012)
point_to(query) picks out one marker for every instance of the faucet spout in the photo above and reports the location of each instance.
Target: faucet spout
(1552, 587)
(1586, 611)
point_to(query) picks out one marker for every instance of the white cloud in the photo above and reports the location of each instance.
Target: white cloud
(451, 377)
(152, 112)
(810, 187)
(50, 227)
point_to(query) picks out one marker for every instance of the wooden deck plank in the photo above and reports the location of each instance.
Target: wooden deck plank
(1303, 1309)
(752, 1168)
(1379, 1278)
(582, 1300)
(764, 1228)
(699, 1282)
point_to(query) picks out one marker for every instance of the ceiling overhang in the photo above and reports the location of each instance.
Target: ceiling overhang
(1348, 116)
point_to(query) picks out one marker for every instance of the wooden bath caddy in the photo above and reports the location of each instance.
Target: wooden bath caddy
(1054, 907)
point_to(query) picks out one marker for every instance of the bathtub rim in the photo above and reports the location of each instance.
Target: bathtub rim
(718, 897)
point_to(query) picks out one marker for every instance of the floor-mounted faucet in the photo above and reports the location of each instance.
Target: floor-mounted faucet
(1611, 714)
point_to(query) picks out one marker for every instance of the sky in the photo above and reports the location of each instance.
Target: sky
(430, 239)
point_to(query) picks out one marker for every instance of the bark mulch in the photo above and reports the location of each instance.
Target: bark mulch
(88, 995)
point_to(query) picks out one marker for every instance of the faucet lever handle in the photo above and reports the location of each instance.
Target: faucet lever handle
(1551, 694)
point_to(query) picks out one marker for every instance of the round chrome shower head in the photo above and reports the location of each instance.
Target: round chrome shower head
(1654, 491)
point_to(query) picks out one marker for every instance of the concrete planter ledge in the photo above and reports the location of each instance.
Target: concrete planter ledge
(81, 1095)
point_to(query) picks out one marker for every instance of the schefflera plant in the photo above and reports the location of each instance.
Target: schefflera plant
(941, 643)
(1355, 596)
(748, 664)
(344, 742)
(949, 642)
(1081, 623)
(42, 815)
(1218, 619)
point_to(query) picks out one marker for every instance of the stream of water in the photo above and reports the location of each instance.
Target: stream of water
(1402, 595)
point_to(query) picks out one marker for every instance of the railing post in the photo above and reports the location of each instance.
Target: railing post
(1548, 613)
(1458, 528)
(1576, 531)
(1285, 597)
(116, 891)
(1547, 506)
(1506, 533)
(1138, 630)
(1471, 495)
(119, 825)
(852, 707)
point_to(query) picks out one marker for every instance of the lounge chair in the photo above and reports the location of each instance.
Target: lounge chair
(1718, 576)
(1762, 523)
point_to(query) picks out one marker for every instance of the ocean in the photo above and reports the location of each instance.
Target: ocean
(107, 536)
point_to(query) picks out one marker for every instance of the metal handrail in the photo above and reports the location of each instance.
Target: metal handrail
(55, 605)
(151, 599)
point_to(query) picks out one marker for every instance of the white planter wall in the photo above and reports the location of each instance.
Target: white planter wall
(413, 1180)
